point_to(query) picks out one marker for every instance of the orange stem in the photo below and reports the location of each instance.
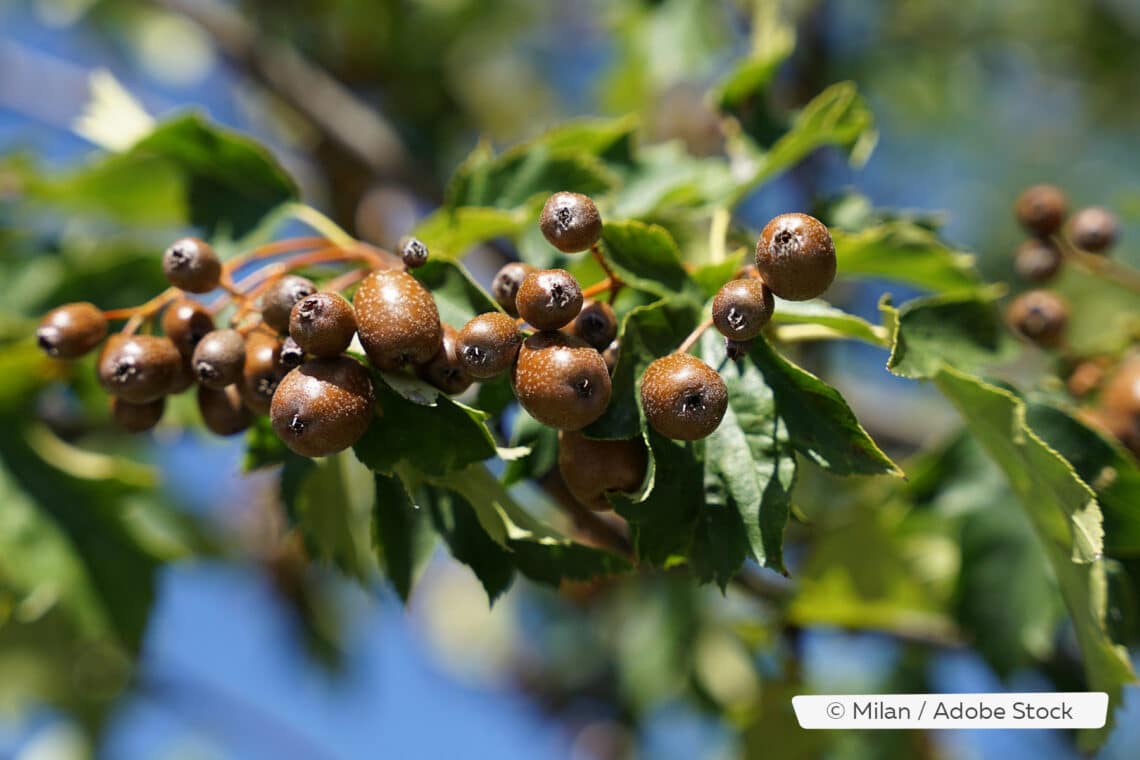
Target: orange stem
(694, 336)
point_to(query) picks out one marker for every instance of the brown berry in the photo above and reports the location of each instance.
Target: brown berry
(1121, 393)
(223, 411)
(741, 308)
(413, 252)
(182, 379)
(1039, 316)
(611, 355)
(1086, 376)
(323, 406)
(136, 418)
(186, 322)
(570, 222)
(323, 324)
(1041, 209)
(684, 398)
(1037, 260)
(796, 257)
(488, 344)
(1094, 229)
(596, 324)
(549, 299)
(591, 468)
(192, 265)
(277, 302)
(71, 330)
(561, 381)
(219, 358)
(445, 371)
(396, 319)
(262, 371)
(138, 368)
(505, 286)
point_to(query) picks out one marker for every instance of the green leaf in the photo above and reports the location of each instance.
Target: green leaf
(543, 444)
(457, 295)
(821, 425)
(963, 328)
(450, 233)
(904, 252)
(514, 178)
(608, 139)
(400, 534)
(817, 312)
(454, 519)
(646, 258)
(773, 39)
(263, 448)
(334, 506)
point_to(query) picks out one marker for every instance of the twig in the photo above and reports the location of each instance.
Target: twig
(694, 336)
(1099, 264)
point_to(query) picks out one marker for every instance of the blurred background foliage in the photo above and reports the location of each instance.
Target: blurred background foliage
(243, 651)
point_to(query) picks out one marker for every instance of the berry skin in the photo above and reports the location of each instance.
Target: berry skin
(1120, 401)
(223, 411)
(505, 286)
(445, 371)
(1041, 209)
(570, 222)
(611, 355)
(741, 308)
(1094, 229)
(549, 299)
(219, 359)
(591, 468)
(323, 324)
(138, 368)
(1037, 260)
(323, 406)
(561, 381)
(137, 418)
(183, 378)
(262, 371)
(796, 257)
(413, 252)
(71, 330)
(488, 345)
(684, 398)
(278, 301)
(192, 265)
(292, 355)
(186, 322)
(596, 324)
(397, 320)
(1039, 316)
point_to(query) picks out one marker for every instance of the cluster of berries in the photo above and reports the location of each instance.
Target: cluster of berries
(291, 363)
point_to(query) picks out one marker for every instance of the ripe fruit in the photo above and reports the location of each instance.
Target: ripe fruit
(611, 354)
(549, 299)
(278, 301)
(561, 381)
(222, 410)
(182, 379)
(138, 368)
(1039, 316)
(397, 320)
(596, 324)
(1041, 209)
(262, 371)
(413, 252)
(570, 222)
(219, 358)
(323, 324)
(1093, 229)
(1120, 401)
(71, 330)
(488, 344)
(323, 406)
(186, 322)
(136, 418)
(192, 265)
(684, 398)
(445, 371)
(505, 286)
(796, 256)
(292, 355)
(591, 468)
(741, 308)
(1037, 260)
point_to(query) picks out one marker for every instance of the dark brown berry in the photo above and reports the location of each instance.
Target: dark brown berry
(262, 371)
(136, 418)
(1041, 209)
(591, 468)
(223, 411)
(413, 252)
(1039, 316)
(505, 286)
(71, 330)
(186, 322)
(182, 379)
(1037, 260)
(323, 324)
(549, 299)
(292, 355)
(596, 324)
(219, 358)
(684, 398)
(1120, 401)
(323, 406)
(741, 308)
(192, 265)
(397, 320)
(278, 301)
(445, 371)
(138, 368)
(611, 355)
(561, 381)
(1094, 229)
(795, 256)
(736, 350)
(488, 344)
(570, 222)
